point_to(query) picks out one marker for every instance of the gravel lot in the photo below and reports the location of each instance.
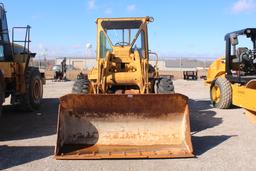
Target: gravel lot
(222, 139)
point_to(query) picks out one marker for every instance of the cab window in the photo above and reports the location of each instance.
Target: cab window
(104, 45)
(1, 53)
(139, 45)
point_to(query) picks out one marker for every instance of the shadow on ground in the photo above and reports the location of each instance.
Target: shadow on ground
(19, 125)
(202, 117)
(204, 143)
(14, 156)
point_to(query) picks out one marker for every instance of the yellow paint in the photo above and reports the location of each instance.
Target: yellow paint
(10, 69)
(243, 97)
(216, 69)
(7, 69)
(108, 70)
(216, 94)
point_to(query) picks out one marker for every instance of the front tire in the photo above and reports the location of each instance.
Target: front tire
(164, 85)
(31, 100)
(221, 93)
(81, 85)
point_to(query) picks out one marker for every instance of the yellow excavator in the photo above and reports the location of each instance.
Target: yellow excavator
(18, 79)
(232, 78)
(122, 108)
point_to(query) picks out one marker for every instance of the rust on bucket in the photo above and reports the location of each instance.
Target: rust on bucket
(123, 126)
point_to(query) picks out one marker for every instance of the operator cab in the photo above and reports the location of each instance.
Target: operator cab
(241, 55)
(5, 46)
(17, 50)
(122, 42)
(122, 34)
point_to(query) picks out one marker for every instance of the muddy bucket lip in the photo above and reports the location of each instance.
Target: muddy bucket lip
(119, 157)
(142, 153)
(187, 151)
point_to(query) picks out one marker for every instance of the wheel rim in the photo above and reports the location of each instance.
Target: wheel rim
(36, 90)
(215, 94)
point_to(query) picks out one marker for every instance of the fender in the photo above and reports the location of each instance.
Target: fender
(217, 69)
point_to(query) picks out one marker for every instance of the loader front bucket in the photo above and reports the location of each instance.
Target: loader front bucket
(123, 126)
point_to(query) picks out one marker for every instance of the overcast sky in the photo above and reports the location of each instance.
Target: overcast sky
(191, 28)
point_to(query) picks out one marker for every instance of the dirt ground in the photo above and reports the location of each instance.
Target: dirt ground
(222, 139)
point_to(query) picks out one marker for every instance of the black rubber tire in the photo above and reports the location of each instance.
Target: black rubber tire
(31, 100)
(81, 85)
(225, 101)
(164, 86)
(151, 69)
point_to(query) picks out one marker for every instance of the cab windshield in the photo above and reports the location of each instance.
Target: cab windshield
(121, 33)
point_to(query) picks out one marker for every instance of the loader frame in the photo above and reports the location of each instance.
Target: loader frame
(123, 109)
(122, 64)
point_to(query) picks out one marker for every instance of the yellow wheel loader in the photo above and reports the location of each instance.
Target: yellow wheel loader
(123, 108)
(17, 79)
(232, 78)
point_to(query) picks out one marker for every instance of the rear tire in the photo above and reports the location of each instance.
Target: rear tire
(221, 93)
(31, 100)
(164, 85)
(81, 85)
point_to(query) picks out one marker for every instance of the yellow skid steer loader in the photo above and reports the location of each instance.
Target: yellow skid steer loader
(123, 108)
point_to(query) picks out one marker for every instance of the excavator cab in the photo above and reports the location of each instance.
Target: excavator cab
(5, 46)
